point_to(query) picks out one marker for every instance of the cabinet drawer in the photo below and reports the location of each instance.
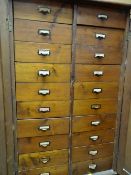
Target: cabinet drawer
(43, 109)
(95, 106)
(97, 73)
(93, 122)
(33, 144)
(41, 91)
(81, 154)
(43, 159)
(86, 90)
(101, 37)
(101, 16)
(34, 32)
(55, 170)
(39, 52)
(41, 127)
(47, 10)
(38, 72)
(86, 138)
(92, 166)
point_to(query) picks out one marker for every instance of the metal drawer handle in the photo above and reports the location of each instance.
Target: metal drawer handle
(100, 36)
(95, 123)
(44, 72)
(44, 109)
(45, 160)
(45, 174)
(44, 128)
(44, 10)
(44, 32)
(99, 55)
(92, 166)
(44, 144)
(44, 92)
(93, 152)
(44, 52)
(98, 73)
(94, 138)
(97, 90)
(102, 16)
(96, 106)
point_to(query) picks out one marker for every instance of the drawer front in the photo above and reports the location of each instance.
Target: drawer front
(55, 170)
(101, 16)
(34, 144)
(98, 55)
(86, 90)
(32, 30)
(95, 106)
(40, 127)
(93, 122)
(47, 10)
(93, 166)
(38, 72)
(39, 52)
(41, 91)
(87, 138)
(81, 154)
(92, 36)
(97, 73)
(43, 159)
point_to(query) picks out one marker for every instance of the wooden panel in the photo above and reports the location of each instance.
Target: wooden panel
(88, 14)
(34, 160)
(87, 54)
(32, 126)
(85, 73)
(81, 124)
(30, 145)
(30, 91)
(55, 170)
(28, 72)
(82, 154)
(28, 52)
(84, 90)
(84, 107)
(83, 139)
(121, 2)
(24, 28)
(61, 11)
(101, 165)
(87, 36)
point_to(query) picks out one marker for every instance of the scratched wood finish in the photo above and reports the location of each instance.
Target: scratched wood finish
(84, 90)
(30, 91)
(32, 144)
(83, 139)
(111, 73)
(28, 72)
(34, 160)
(28, 52)
(81, 154)
(61, 11)
(84, 123)
(88, 15)
(55, 170)
(101, 165)
(32, 126)
(59, 33)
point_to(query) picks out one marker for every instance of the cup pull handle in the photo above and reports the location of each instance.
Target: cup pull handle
(45, 160)
(95, 123)
(96, 106)
(44, 109)
(44, 10)
(99, 55)
(92, 166)
(102, 16)
(100, 36)
(44, 52)
(97, 90)
(44, 32)
(44, 128)
(98, 73)
(44, 72)
(44, 144)
(94, 138)
(44, 92)
(45, 174)
(93, 152)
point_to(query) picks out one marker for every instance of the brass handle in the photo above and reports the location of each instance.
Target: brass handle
(94, 138)
(95, 123)
(98, 73)
(96, 106)
(102, 16)
(44, 52)
(44, 72)
(44, 92)
(44, 10)
(100, 36)
(45, 174)
(44, 32)
(99, 55)
(44, 128)
(45, 160)
(44, 144)
(97, 90)
(44, 109)
(93, 152)
(92, 166)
